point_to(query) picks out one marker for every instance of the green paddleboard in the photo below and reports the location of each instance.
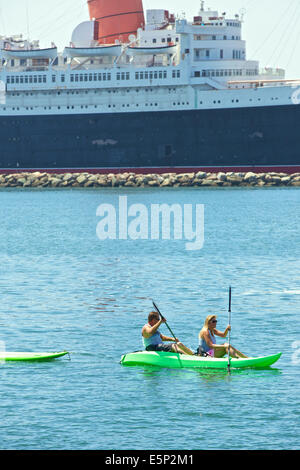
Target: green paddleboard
(30, 356)
(178, 361)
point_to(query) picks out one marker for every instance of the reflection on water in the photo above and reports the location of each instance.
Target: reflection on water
(206, 375)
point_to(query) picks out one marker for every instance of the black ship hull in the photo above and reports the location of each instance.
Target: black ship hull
(234, 139)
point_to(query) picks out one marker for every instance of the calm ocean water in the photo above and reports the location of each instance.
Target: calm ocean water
(63, 288)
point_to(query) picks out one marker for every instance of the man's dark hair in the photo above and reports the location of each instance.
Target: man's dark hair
(152, 316)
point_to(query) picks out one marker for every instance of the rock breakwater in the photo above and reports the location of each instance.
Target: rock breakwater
(128, 179)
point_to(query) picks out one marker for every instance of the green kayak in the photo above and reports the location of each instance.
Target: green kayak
(173, 360)
(30, 356)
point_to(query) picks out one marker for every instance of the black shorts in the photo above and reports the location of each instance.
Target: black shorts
(160, 347)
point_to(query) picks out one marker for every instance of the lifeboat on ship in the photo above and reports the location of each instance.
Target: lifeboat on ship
(112, 51)
(50, 53)
(169, 50)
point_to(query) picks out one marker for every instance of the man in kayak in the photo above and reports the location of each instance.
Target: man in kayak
(154, 341)
(207, 340)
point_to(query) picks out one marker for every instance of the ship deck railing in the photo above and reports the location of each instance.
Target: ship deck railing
(81, 67)
(262, 83)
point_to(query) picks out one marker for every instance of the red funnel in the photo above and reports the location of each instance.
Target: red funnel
(117, 19)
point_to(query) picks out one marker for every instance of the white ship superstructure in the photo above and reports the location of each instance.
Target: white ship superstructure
(170, 65)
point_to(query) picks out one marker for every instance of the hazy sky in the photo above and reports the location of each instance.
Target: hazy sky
(271, 27)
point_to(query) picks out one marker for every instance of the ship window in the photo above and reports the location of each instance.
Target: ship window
(154, 41)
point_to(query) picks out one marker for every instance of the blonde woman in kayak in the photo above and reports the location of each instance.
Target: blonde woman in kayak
(207, 340)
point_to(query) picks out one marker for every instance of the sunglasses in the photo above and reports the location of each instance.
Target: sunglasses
(214, 321)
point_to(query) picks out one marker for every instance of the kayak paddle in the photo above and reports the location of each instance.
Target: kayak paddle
(163, 318)
(229, 320)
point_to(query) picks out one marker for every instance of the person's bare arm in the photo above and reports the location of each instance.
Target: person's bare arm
(149, 331)
(220, 333)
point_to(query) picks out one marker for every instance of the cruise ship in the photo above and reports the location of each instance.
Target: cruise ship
(146, 92)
